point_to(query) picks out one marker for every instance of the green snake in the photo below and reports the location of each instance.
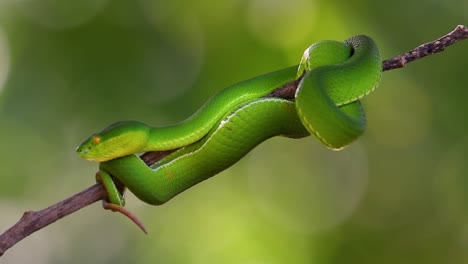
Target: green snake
(332, 77)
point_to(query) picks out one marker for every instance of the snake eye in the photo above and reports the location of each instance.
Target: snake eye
(96, 140)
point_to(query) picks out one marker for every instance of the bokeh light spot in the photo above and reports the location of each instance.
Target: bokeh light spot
(58, 15)
(450, 184)
(281, 24)
(178, 62)
(4, 60)
(399, 116)
(309, 187)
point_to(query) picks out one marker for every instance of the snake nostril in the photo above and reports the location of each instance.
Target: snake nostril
(83, 151)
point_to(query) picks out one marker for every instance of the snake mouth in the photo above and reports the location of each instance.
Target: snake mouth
(84, 153)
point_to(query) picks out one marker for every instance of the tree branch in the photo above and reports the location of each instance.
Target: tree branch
(288, 90)
(33, 221)
(438, 45)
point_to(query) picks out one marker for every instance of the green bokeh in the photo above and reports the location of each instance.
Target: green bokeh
(398, 195)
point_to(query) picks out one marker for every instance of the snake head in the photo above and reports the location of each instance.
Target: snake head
(117, 140)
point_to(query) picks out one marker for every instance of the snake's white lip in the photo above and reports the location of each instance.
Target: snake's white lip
(83, 152)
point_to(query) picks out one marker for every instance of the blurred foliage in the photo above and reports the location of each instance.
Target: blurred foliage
(399, 195)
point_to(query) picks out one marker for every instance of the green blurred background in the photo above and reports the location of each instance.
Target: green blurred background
(398, 195)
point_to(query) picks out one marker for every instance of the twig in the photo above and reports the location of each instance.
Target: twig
(32, 221)
(438, 45)
(288, 90)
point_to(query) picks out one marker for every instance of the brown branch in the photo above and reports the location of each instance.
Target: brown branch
(288, 90)
(438, 45)
(33, 221)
